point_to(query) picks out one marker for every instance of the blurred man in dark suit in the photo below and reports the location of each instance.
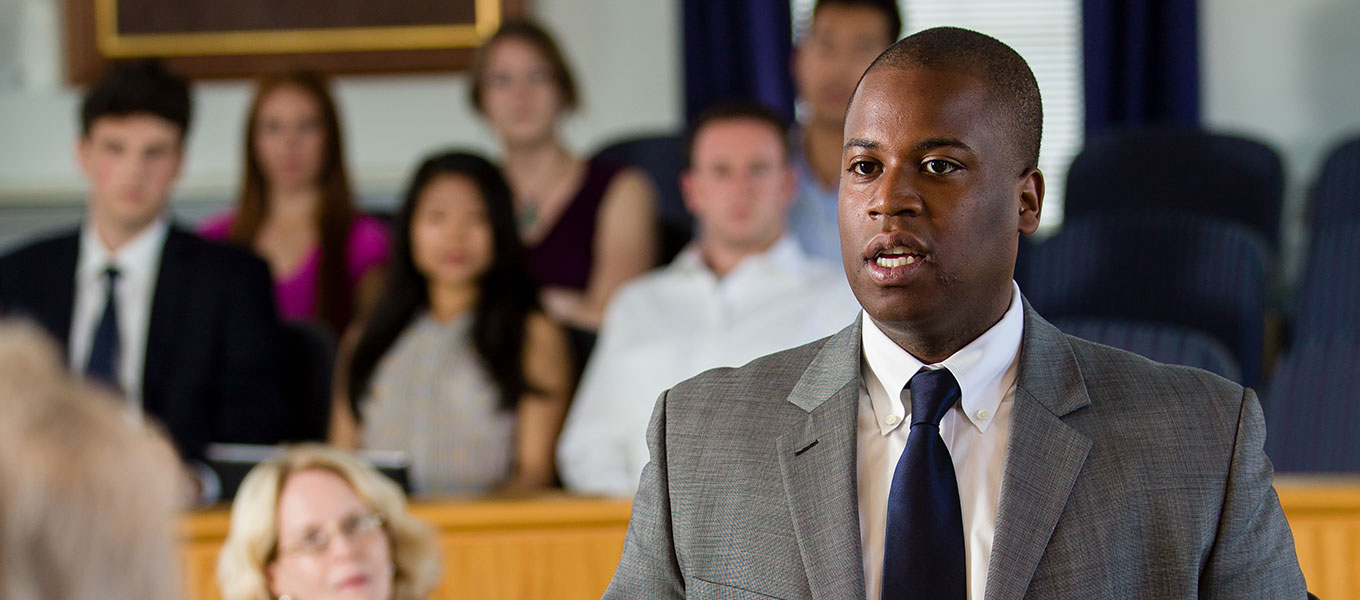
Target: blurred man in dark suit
(183, 329)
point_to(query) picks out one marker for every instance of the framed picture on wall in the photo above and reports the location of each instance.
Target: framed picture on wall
(242, 38)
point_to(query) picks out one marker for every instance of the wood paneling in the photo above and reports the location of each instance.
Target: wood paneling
(1324, 513)
(565, 547)
(559, 547)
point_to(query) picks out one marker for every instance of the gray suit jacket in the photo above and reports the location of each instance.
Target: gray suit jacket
(1124, 479)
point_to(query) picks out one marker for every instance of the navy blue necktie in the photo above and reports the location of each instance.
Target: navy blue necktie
(923, 545)
(103, 363)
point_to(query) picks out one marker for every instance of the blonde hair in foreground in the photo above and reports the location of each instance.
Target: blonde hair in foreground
(87, 499)
(253, 539)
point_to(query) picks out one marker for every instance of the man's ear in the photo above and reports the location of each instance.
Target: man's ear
(1030, 196)
(81, 151)
(687, 191)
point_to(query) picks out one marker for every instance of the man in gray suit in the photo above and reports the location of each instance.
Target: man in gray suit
(1072, 470)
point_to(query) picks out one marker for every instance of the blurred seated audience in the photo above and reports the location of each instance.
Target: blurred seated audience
(590, 226)
(87, 500)
(742, 289)
(184, 329)
(835, 49)
(318, 524)
(457, 365)
(296, 208)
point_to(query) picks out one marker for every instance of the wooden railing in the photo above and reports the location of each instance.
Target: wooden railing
(566, 547)
(1324, 513)
(544, 547)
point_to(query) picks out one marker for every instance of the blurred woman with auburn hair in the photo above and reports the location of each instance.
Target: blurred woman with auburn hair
(296, 207)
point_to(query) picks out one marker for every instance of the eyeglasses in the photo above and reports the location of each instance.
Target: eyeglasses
(353, 528)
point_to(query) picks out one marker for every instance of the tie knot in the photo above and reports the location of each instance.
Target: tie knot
(933, 393)
(111, 273)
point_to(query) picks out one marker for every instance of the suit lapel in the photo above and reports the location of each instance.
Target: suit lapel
(1043, 460)
(166, 314)
(56, 300)
(817, 463)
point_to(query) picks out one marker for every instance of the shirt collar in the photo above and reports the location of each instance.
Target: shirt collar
(982, 368)
(136, 260)
(785, 255)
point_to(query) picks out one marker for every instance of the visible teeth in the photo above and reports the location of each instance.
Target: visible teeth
(898, 261)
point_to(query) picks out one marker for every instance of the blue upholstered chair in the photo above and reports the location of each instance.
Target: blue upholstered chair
(1205, 274)
(1179, 171)
(1313, 407)
(1163, 343)
(661, 157)
(1329, 297)
(1336, 194)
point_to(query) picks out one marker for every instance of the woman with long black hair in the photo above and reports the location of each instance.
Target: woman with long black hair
(457, 364)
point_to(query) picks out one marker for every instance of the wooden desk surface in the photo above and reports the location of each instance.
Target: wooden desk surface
(566, 547)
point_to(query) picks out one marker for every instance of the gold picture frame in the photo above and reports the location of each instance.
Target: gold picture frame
(94, 38)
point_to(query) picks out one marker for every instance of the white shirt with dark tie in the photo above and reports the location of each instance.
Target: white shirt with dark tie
(138, 262)
(976, 431)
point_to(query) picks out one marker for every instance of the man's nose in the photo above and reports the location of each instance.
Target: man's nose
(895, 196)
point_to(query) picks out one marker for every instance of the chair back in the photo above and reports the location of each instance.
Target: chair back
(1179, 171)
(1336, 194)
(1329, 297)
(308, 369)
(661, 157)
(1313, 407)
(1204, 274)
(1169, 344)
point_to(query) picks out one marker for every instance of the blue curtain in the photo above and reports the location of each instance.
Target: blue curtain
(738, 49)
(1141, 63)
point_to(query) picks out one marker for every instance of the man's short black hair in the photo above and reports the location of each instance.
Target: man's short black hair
(139, 87)
(1013, 88)
(892, 19)
(737, 110)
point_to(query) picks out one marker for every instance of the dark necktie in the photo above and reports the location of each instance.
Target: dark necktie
(923, 545)
(103, 363)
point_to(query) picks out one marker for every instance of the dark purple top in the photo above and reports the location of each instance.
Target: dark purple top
(566, 254)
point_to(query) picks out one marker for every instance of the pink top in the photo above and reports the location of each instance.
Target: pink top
(369, 246)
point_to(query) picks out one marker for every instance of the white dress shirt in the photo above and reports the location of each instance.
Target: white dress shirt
(976, 431)
(677, 322)
(138, 262)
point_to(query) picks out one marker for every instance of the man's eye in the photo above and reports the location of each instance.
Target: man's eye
(940, 167)
(863, 168)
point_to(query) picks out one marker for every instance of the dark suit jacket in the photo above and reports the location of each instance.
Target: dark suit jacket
(212, 353)
(1124, 478)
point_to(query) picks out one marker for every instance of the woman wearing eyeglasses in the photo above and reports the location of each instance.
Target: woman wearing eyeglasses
(314, 524)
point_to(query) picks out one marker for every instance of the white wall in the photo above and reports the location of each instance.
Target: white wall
(625, 53)
(1285, 73)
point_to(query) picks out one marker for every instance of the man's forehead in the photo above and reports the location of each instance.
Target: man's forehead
(957, 105)
(736, 137)
(891, 88)
(134, 124)
(859, 21)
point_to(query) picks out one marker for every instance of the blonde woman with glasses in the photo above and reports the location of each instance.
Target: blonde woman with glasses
(316, 524)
